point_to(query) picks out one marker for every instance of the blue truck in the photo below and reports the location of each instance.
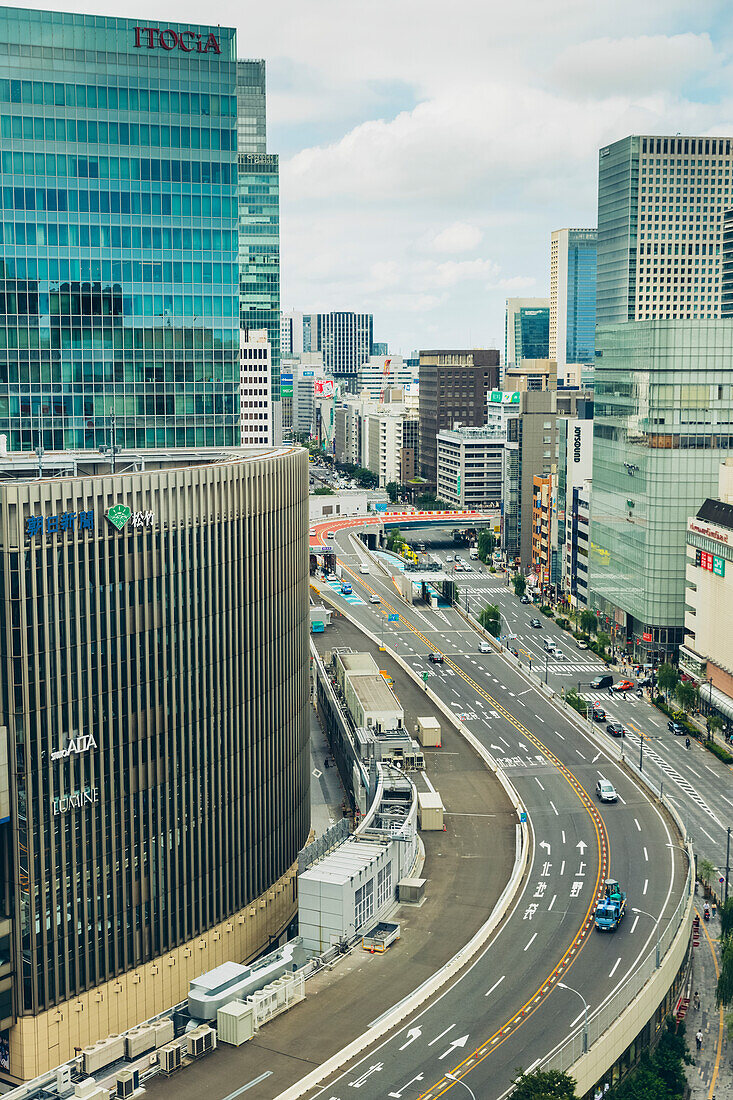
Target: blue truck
(611, 908)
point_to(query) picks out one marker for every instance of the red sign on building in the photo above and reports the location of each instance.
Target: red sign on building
(706, 560)
(647, 637)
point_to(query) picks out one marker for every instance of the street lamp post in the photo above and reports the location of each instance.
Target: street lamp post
(458, 1081)
(644, 913)
(727, 864)
(572, 989)
(681, 849)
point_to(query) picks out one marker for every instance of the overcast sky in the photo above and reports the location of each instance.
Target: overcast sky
(429, 148)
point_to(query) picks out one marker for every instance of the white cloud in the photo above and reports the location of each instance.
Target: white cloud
(634, 66)
(459, 237)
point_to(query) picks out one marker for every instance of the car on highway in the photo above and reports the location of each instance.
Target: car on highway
(615, 729)
(606, 791)
(675, 728)
(623, 685)
(484, 647)
(374, 598)
(598, 714)
(536, 624)
(436, 658)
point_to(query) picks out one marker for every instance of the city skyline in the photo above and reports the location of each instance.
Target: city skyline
(440, 178)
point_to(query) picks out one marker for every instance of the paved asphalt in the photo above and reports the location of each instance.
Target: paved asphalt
(506, 1011)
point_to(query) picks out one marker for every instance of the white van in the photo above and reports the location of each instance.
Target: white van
(364, 569)
(473, 553)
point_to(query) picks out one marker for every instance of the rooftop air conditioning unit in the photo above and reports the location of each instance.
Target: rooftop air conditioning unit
(128, 1082)
(170, 1057)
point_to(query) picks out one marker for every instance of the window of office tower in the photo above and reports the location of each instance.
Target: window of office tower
(118, 290)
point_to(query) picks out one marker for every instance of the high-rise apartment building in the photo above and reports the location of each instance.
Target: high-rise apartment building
(661, 202)
(454, 386)
(526, 330)
(118, 287)
(344, 339)
(572, 326)
(255, 403)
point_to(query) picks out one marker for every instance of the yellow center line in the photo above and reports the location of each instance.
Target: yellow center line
(716, 1067)
(580, 938)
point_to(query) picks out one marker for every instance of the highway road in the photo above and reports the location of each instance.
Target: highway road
(506, 1010)
(699, 785)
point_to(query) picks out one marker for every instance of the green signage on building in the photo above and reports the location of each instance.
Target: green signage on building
(118, 515)
(718, 566)
(504, 397)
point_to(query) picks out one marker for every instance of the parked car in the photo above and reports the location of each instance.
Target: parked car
(615, 729)
(623, 685)
(436, 658)
(675, 728)
(536, 624)
(484, 647)
(606, 791)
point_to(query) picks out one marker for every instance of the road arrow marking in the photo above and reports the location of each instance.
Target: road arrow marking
(498, 747)
(521, 744)
(456, 1043)
(582, 845)
(544, 844)
(397, 1095)
(413, 1034)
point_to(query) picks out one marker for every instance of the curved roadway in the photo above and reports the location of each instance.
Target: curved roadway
(506, 1010)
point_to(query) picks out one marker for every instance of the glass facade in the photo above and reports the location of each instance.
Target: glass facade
(251, 103)
(618, 189)
(259, 252)
(663, 424)
(119, 251)
(531, 334)
(580, 341)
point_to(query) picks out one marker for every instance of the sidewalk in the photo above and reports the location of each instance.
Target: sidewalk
(710, 1077)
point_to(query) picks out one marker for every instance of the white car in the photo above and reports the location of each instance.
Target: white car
(559, 655)
(605, 791)
(582, 645)
(364, 569)
(374, 598)
(484, 647)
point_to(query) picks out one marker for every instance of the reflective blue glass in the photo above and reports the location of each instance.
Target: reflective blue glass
(118, 232)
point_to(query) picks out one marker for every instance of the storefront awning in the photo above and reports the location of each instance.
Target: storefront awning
(717, 699)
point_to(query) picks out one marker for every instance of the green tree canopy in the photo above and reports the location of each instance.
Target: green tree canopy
(544, 1085)
(603, 639)
(520, 585)
(392, 490)
(686, 695)
(667, 678)
(490, 619)
(486, 544)
(587, 621)
(724, 989)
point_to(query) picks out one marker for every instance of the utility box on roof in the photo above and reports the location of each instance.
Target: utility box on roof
(430, 810)
(235, 1023)
(428, 733)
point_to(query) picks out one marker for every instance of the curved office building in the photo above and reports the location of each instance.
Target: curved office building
(154, 693)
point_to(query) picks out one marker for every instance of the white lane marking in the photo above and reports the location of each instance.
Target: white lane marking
(694, 772)
(637, 824)
(538, 718)
(538, 783)
(646, 883)
(633, 926)
(554, 808)
(549, 907)
(563, 836)
(488, 991)
(504, 741)
(562, 868)
(615, 967)
(580, 754)
(726, 799)
(559, 735)
(646, 854)
(442, 1034)
(579, 1017)
(707, 834)
(713, 772)
(595, 758)
(531, 941)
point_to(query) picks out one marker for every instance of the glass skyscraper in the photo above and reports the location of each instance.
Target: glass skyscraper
(526, 330)
(664, 402)
(118, 286)
(573, 261)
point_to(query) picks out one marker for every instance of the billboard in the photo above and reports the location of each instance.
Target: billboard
(504, 397)
(325, 388)
(286, 385)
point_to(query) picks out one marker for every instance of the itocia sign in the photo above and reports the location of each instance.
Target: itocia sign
(168, 39)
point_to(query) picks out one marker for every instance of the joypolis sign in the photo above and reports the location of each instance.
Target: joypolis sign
(168, 39)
